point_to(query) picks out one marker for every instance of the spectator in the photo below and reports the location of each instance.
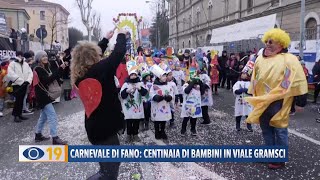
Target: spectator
(122, 73)
(223, 68)
(20, 74)
(316, 80)
(66, 75)
(232, 71)
(305, 70)
(25, 110)
(2, 91)
(45, 77)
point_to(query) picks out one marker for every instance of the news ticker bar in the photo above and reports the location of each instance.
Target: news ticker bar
(44, 153)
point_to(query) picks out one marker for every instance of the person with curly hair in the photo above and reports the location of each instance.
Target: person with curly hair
(105, 120)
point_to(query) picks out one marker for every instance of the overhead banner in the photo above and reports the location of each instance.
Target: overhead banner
(310, 52)
(6, 47)
(241, 31)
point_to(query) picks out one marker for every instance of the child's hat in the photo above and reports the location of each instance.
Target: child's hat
(157, 71)
(133, 70)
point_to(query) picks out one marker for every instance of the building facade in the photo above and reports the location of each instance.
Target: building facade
(14, 17)
(51, 16)
(191, 22)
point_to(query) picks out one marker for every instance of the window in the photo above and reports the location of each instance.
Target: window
(210, 10)
(184, 23)
(190, 20)
(226, 9)
(42, 15)
(172, 28)
(182, 44)
(275, 3)
(189, 44)
(27, 28)
(198, 16)
(34, 11)
(311, 29)
(184, 3)
(250, 6)
(9, 22)
(171, 10)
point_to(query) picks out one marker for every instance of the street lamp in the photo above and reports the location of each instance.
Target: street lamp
(157, 22)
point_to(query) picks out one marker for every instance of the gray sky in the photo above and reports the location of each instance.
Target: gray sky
(108, 9)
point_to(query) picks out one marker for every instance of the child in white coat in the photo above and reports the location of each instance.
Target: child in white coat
(241, 107)
(191, 107)
(147, 84)
(160, 104)
(174, 91)
(206, 98)
(132, 105)
(178, 75)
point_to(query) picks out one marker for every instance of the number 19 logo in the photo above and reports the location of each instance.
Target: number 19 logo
(43, 153)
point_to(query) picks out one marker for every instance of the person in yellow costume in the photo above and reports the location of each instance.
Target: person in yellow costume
(277, 79)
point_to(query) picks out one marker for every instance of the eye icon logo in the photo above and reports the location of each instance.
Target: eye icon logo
(33, 153)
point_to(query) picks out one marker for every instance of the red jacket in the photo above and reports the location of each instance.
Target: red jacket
(122, 73)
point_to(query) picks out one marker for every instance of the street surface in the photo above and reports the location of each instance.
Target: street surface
(304, 147)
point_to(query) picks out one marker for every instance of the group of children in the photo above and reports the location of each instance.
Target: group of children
(154, 93)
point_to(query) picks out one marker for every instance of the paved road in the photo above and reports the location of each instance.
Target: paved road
(304, 154)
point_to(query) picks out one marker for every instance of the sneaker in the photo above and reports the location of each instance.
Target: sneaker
(57, 141)
(319, 110)
(276, 165)
(194, 133)
(17, 119)
(136, 138)
(23, 118)
(157, 136)
(39, 137)
(239, 129)
(250, 130)
(183, 133)
(164, 135)
(206, 122)
(1, 114)
(27, 112)
(318, 120)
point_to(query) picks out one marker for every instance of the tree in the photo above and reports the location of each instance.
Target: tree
(55, 21)
(160, 27)
(75, 35)
(88, 18)
(97, 31)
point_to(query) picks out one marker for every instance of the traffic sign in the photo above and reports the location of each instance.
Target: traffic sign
(41, 33)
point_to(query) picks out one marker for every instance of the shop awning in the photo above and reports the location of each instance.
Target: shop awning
(244, 30)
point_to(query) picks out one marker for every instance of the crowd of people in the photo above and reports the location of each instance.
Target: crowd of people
(33, 81)
(122, 91)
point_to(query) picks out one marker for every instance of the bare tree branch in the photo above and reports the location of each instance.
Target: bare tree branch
(97, 26)
(85, 7)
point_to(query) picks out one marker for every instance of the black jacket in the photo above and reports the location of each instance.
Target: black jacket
(43, 98)
(223, 63)
(316, 71)
(107, 119)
